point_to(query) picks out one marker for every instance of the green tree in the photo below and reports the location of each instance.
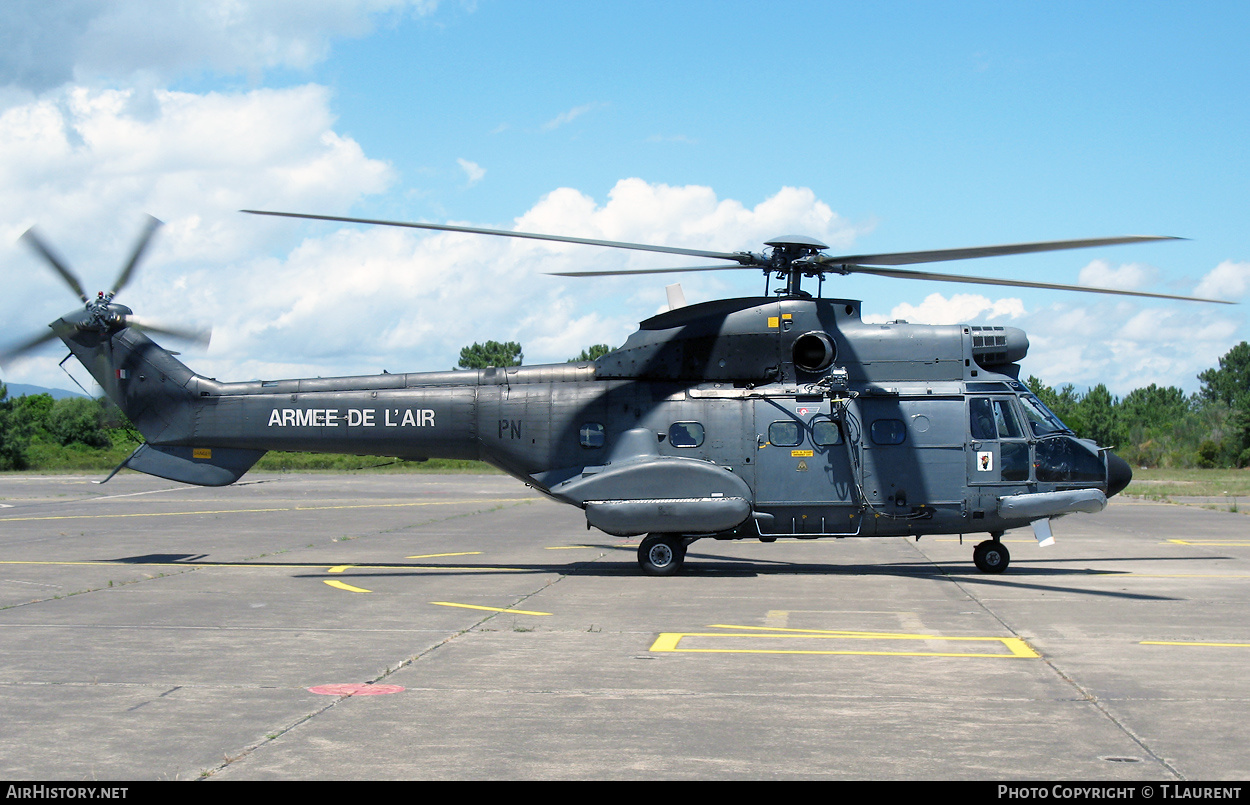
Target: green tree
(78, 420)
(1097, 415)
(12, 443)
(1154, 406)
(592, 353)
(1064, 402)
(1230, 383)
(492, 353)
(1155, 422)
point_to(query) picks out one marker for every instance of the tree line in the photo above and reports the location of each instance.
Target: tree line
(1162, 426)
(1149, 427)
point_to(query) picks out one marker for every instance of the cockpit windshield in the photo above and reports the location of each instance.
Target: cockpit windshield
(1042, 420)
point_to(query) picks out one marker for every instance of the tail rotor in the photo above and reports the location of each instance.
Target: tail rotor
(100, 314)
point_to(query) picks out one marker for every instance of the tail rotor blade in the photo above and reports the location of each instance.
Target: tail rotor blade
(56, 262)
(197, 336)
(141, 245)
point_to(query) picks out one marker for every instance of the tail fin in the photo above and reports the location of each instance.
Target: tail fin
(159, 395)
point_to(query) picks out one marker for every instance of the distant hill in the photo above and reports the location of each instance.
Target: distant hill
(23, 390)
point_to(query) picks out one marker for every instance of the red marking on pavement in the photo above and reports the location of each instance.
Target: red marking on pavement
(351, 689)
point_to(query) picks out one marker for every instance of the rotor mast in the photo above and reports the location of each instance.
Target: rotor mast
(790, 260)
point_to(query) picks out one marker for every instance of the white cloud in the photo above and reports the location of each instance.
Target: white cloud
(85, 167)
(959, 309)
(1125, 277)
(1229, 280)
(1125, 344)
(85, 163)
(473, 171)
(44, 45)
(351, 300)
(565, 118)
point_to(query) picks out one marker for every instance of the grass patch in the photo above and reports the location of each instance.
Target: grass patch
(1169, 483)
(276, 461)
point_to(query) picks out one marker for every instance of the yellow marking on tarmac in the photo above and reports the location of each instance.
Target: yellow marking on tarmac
(344, 586)
(669, 641)
(264, 566)
(1192, 643)
(440, 555)
(339, 568)
(567, 547)
(262, 511)
(1237, 543)
(1176, 575)
(487, 609)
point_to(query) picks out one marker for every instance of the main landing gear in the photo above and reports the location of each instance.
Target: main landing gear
(991, 556)
(662, 554)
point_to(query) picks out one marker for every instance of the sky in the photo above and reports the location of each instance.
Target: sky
(873, 127)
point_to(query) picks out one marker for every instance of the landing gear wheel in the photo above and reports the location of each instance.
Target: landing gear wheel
(991, 556)
(661, 554)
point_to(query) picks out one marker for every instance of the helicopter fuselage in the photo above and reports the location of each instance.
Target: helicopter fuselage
(730, 419)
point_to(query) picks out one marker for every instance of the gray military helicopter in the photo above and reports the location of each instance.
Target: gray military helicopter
(784, 415)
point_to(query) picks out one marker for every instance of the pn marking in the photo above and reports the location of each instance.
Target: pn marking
(669, 641)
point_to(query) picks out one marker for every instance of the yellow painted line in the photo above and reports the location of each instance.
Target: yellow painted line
(344, 586)
(669, 641)
(441, 555)
(1175, 575)
(1186, 643)
(339, 569)
(487, 609)
(266, 566)
(261, 511)
(1242, 543)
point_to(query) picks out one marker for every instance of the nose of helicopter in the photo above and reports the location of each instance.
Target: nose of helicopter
(1118, 474)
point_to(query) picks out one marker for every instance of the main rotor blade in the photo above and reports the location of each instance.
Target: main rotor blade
(25, 346)
(611, 244)
(911, 274)
(145, 237)
(940, 255)
(66, 274)
(648, 271)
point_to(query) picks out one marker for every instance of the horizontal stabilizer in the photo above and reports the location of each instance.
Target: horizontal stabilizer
(203, 466)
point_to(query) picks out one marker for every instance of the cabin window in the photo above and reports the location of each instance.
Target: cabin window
(826, 432)
(685, 434)
(888, 431)
(784, 434)
(591, 435)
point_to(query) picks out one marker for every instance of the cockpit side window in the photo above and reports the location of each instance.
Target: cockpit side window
(1005, 419)
(1042, 421)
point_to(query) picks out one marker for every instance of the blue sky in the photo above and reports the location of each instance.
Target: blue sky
(876, 127)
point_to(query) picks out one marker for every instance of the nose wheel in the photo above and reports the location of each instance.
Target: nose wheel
(991, 556)
(662, 554)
